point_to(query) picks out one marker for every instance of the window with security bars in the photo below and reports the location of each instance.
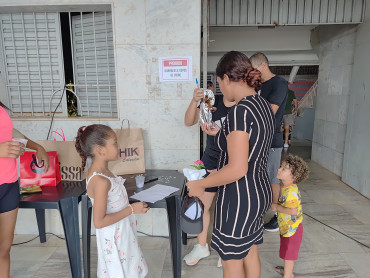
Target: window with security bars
(211, 76)
(42, 53)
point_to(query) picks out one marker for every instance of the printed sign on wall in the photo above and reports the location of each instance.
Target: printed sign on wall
(175, 69)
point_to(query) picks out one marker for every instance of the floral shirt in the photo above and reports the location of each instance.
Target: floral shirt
(290, 197)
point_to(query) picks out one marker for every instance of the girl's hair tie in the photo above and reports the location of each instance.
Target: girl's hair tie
(83, 129)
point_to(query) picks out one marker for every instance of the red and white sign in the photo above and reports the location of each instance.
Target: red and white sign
(175, 69)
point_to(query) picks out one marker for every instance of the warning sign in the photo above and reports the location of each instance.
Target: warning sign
(175, 69)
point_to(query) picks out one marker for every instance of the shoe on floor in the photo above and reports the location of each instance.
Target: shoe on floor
(273, 225)
(198, 252)
(219, 264)
(286, 146)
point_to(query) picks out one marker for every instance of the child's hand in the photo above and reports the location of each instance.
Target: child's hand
(274, 207)
(140, 207)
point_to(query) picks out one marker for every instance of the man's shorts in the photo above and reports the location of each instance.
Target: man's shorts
(288, 120)
(289, 246)
(273, 164)
(9, 196)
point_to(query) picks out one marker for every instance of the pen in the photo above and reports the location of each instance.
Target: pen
(153, 179)
(196, 81)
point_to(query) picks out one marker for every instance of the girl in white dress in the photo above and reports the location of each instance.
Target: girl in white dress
(119, 254)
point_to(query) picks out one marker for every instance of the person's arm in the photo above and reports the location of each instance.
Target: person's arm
(192, 113)
(291, 205)
(274, 108)
(279, 94)
(237, 167)
(99, 187)
(290, 211)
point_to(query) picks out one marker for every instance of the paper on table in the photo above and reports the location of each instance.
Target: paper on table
(154, 193)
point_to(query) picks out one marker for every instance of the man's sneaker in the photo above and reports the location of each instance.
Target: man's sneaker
(219, 264)
(273, 225)
(198, 252)
(286, 146)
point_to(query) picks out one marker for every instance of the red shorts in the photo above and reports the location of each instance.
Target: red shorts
(289, 246)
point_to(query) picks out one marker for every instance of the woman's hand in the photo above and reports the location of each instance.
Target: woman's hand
(195, 188)
(11, 149)
(197, 95)
(140, 207)
(42, 155)
(209, 130)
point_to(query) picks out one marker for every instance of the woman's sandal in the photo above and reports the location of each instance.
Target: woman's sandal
(280, 269)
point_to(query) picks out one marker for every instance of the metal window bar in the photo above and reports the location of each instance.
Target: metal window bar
(33, 63)
(71, 39)
(49, 54)
(16, 64)
(4, 58)
(106, 45)
(27, 64)
(290, 12)
(96, 61)
(93, 49)
(84, 57)
(38, 60)
(21, 51)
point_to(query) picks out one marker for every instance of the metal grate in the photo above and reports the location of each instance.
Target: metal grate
(32, 50)
(284, 12)
(32, 55)
(281, 70)
(94, 72)
(211, 76)
(308, 70)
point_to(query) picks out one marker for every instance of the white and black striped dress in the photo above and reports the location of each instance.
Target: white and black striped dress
(241, 205)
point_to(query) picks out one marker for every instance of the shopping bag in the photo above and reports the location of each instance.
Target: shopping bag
(131, 151)
(69, 160)
(32, 172)
(58, 134)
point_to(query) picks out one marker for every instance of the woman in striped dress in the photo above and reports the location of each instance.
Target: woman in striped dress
(244, 193)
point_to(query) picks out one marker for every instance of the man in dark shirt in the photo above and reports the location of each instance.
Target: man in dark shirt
(274, 90)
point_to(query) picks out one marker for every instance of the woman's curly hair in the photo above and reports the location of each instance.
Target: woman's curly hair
(298, 167)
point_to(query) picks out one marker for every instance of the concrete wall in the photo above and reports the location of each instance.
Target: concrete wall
(356, 164)
(304, 126)
(335, 47)
(143, 31)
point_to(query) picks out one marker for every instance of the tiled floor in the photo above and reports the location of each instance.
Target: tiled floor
(324, 252)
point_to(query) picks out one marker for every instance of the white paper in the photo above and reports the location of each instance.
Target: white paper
(154, 193)
(175, 69)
